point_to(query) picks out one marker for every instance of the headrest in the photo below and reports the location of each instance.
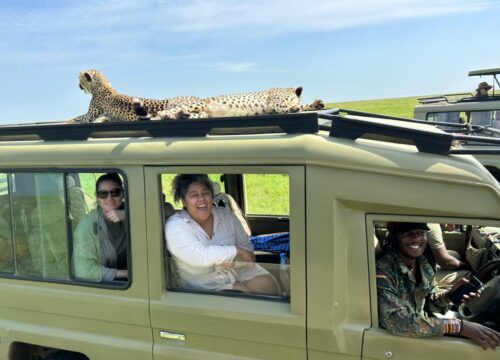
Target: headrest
(168, 210)
(216, 187)
(70, 182)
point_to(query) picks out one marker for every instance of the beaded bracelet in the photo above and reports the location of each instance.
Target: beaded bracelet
(452, 326)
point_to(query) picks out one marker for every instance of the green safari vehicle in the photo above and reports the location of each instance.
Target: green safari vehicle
(321, 190)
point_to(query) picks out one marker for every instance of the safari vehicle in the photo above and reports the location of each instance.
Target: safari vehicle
(333, 186)
(479, 112)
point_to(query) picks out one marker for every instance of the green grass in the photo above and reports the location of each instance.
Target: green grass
(267, 194)
(401, 107)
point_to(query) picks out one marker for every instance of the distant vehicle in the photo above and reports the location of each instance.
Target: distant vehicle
(465, 108)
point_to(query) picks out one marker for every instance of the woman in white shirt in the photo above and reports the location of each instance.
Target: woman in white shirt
(209, 245)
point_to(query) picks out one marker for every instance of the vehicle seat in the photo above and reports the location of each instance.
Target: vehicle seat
(226, 200)
(168, 210)
(172, 275)
(79, 202)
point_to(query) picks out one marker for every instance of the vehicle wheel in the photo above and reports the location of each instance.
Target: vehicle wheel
(65, 355)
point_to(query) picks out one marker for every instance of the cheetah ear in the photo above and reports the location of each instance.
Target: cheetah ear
(298, 91)
(87, 76)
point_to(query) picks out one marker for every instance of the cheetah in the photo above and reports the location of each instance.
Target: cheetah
(109, 105)
(269, 101)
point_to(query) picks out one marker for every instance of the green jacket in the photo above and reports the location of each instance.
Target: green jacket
(94, 255)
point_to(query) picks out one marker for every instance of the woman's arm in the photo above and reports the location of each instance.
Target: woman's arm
(183, 243)
(87, 253)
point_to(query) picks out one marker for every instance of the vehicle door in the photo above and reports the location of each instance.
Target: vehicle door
(190, 324)
(379, 343)
(43, 299)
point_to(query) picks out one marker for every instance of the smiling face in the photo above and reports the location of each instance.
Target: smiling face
(198, 202)
(411, 244)
(110, 202)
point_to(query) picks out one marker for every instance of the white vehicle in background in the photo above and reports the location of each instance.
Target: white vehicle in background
(465, 111)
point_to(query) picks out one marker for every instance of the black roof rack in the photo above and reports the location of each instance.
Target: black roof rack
(354, 128)
(350, 127)
(287, 123)
(425, 141)
(338, 111)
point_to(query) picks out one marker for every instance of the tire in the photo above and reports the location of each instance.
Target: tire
(65, 355)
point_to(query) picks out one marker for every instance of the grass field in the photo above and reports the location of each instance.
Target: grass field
(401, 107)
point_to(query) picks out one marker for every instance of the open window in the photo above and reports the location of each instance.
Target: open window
(258, 206)
(41, 215)
(451, 249)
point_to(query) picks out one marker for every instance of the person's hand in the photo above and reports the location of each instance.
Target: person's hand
(466, 297)
(115, 215)
(228, 265)
(245, 255)
(121, 274)
(480, 334)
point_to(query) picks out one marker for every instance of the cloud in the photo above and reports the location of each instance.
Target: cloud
(268, 17)
(234, 67)
(123, 29)
(141, 18)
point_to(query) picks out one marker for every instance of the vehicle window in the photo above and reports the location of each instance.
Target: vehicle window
(484, 118)
(100, 236)
(42, 216)
(267, 194)
(40, 231)
(212, 252)
(454, 117)
(6, 248)
(445, 253)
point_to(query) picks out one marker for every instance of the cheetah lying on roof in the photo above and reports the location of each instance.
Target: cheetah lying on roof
(107, 104)
(270, 101)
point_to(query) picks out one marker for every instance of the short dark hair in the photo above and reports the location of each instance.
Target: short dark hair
(109, 177)
(181, 183)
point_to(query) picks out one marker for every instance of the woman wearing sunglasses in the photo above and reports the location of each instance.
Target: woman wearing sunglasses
(100, 239)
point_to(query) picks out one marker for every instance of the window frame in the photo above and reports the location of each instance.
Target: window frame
(371, 218)
(116, 285)
(296, 175)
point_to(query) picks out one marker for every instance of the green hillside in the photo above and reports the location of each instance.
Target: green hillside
(402, 107)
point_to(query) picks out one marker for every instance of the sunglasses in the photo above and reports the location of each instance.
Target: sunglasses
(103, 194)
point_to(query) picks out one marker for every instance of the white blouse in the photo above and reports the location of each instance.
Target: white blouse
(198, 257)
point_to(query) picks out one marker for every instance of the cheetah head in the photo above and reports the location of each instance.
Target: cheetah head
(91, 81)
(291, 100)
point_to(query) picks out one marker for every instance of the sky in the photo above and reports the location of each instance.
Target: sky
(338, 50)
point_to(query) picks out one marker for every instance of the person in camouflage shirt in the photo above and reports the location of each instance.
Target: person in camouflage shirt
(407, 292)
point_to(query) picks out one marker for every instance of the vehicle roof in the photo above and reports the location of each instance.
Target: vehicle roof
(493, 71)
(271, 149)
(265, 140)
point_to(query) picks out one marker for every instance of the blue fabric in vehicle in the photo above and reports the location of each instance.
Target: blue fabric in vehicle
(278, 242)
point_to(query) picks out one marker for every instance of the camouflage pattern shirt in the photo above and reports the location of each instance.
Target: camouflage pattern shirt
(402, 303)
